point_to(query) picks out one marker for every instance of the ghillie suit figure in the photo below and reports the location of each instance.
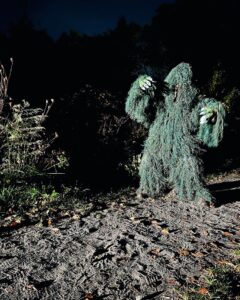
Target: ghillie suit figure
(182, 122)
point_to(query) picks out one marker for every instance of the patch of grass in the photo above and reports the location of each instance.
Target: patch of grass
(236, 253)
(21, 204)
(221, 282)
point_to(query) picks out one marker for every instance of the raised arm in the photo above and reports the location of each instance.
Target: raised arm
(139, 99)
(209, 117)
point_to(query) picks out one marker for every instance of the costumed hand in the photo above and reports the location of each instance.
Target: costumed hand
(146, 82)
(208, 115)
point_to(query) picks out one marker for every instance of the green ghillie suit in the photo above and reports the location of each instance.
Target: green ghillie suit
(182, 123)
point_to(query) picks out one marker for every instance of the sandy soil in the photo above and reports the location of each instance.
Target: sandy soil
(124, 249)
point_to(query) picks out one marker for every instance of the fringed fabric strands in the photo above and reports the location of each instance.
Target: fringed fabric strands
(171, 156)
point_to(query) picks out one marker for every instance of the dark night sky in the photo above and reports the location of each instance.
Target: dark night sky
(86, 16)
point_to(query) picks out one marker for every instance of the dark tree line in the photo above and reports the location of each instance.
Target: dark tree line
(202, 32)
(89, 77)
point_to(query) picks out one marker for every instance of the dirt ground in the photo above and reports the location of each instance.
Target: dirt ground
(125, 249)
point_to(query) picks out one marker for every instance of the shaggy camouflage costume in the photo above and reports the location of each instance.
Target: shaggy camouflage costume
(183, 121)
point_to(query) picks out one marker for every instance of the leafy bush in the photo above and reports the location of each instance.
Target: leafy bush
(24, 143)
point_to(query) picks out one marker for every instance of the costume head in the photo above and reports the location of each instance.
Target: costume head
(180, 75)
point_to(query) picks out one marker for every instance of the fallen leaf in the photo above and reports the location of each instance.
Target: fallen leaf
(31, 287)
(13, 223)
(39, 224)
(184, 252)
(55, 230)
(203, 291)
(165, 231)
(198, 254)
(65, 214)
(155, 251)
(155, 222)
(237, 268)
(226, 233)
(76, 217)
(204, 233)
(191, 280)
(213, 245)
(135, 220)
(151, 200)
(225, 262)
(88, 296)
(16, 221)
(172, 281)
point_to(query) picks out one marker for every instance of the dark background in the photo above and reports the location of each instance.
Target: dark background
(85, 54)
(88, 17)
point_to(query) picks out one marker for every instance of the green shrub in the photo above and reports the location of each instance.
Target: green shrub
(24, 145)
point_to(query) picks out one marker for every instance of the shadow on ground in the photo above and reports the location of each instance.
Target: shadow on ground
(225, 192)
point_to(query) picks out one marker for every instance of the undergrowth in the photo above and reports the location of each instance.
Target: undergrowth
(43, 204)
(26, 154)
(221, 282)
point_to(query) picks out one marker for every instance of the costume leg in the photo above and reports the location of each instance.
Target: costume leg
(153, 181)
(187, 179)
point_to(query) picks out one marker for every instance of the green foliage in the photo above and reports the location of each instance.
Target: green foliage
(231, 99)
(23, 204)
(24, 143)
(171, 152)
(25, 152)
(220, 282)
(20, 198)
(131, 166)
(217, 81)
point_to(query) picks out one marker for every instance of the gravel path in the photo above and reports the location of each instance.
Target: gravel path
(132, 249)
